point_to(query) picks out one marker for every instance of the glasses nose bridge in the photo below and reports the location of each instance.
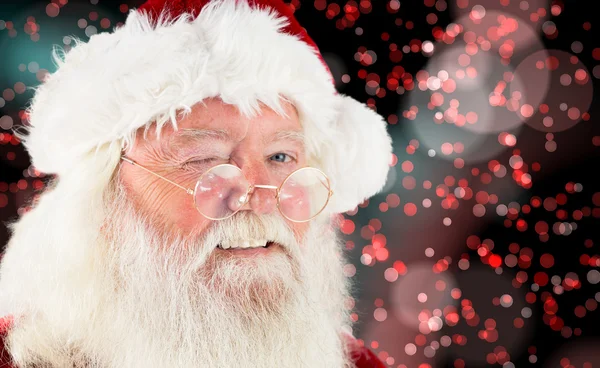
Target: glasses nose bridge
(252, 188)
(260, 202)
(264, 186)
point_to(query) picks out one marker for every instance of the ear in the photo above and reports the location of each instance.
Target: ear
(358, 160)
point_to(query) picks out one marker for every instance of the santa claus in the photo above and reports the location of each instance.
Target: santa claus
(202, 156)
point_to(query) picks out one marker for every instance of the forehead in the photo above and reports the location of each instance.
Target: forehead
(216, 119)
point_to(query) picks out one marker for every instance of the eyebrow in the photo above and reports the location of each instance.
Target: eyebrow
(182, 136)
(289, 135)
(220, 134)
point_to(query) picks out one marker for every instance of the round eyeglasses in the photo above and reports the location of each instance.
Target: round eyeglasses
(223, 190)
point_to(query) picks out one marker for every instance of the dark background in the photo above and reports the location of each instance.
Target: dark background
(495, 260)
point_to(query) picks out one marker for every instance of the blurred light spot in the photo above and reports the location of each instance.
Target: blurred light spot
(410, 349)
(52, 10)
(506, 300)
(593, 277)
(435, 323)
(479, 210)
(391, 274)
(380, 314)
(349, 270)
(478, 12)
(90, 31)
(6, 122)
(427, 47)
(429, 352)
(410, 209)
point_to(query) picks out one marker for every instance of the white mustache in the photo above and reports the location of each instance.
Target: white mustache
(247, 226)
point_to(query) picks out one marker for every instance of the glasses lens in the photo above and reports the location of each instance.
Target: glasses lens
(304, 194)
(221, 192)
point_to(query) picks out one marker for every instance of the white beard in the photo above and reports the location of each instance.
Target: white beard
(176, 302)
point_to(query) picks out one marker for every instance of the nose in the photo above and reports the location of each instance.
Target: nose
(262, 201)
(263, 198)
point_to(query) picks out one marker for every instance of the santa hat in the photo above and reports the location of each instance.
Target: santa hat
(172, 54)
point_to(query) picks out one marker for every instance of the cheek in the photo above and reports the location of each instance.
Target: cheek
(178, 213)
(169, 208)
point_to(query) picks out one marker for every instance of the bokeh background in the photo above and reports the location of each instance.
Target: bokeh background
(483, 248)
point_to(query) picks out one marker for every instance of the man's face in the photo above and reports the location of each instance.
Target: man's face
(161, 290)
(266, 148)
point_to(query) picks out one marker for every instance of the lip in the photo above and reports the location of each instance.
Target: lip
(250, 252)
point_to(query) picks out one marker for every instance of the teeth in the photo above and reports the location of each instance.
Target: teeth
(244, 244)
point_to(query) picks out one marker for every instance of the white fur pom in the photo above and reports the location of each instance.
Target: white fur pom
(359, 162)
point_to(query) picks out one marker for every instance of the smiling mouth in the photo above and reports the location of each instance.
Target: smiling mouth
(246, 244)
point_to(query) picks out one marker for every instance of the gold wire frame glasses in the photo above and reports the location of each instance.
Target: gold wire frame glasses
(223, 190)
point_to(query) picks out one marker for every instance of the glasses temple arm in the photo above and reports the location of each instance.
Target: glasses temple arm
(187, 190)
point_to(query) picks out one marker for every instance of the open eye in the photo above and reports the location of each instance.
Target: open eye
(281, 157)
